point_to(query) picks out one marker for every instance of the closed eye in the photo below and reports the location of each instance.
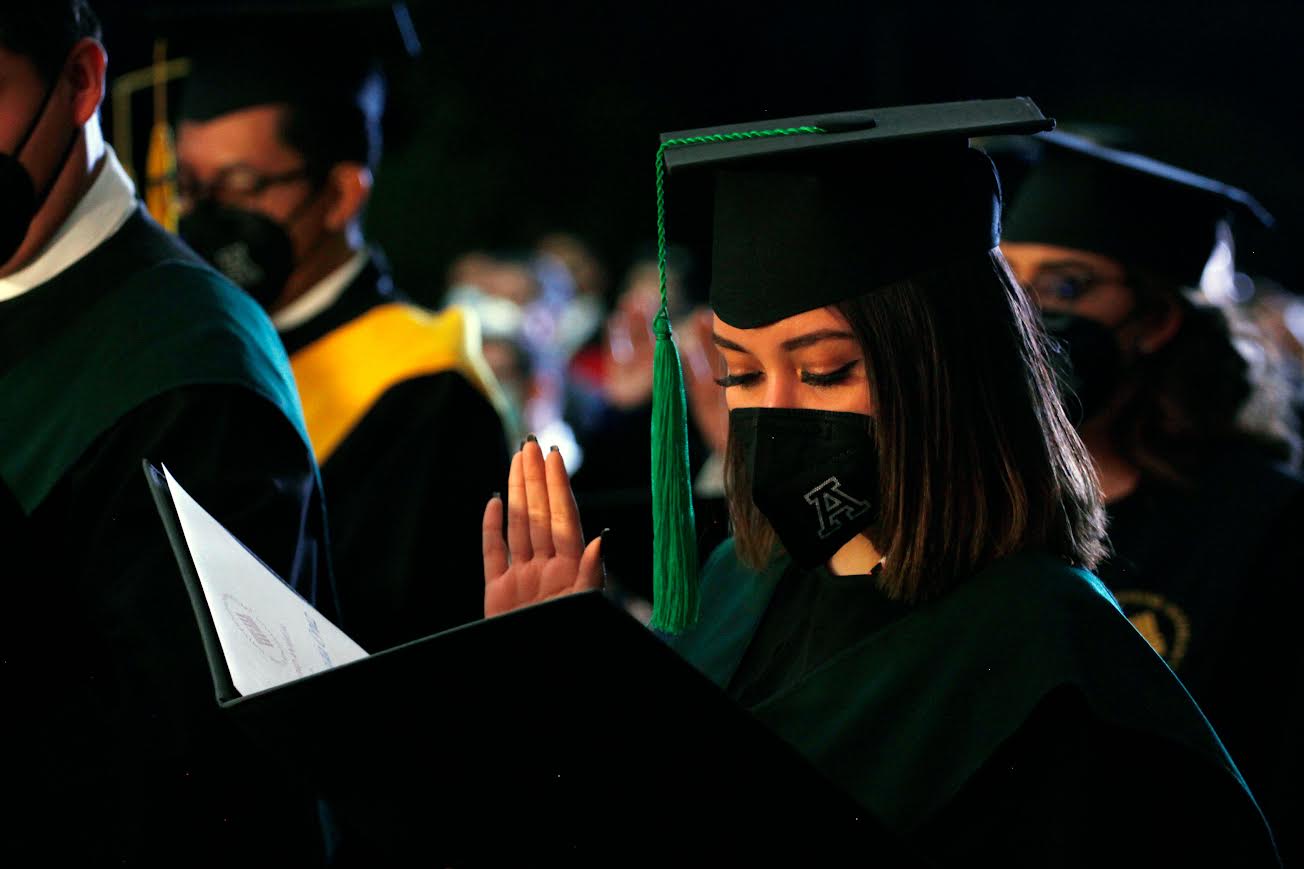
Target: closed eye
(738, 379)
(830, 378)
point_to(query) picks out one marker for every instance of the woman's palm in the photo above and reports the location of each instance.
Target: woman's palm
(544, 555)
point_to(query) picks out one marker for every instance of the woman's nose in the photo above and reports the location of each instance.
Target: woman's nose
(780, 391)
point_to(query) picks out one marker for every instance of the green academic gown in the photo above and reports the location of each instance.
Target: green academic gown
(1020, 720)
(115, 751)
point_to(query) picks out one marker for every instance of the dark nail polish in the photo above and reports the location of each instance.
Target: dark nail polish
(520, 446)
(497, 496)
(532, 439)
(553, 448)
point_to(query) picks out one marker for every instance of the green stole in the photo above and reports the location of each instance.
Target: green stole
(171, 324)
(905, 717)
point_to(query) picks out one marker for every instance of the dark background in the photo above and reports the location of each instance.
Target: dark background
(522, 119)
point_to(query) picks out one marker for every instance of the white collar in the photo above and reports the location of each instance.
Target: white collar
(321, 295)
(101, 212)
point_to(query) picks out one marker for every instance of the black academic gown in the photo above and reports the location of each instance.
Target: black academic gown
(407, 485)
(115, 752)
(1212, 573)
(1017, 721)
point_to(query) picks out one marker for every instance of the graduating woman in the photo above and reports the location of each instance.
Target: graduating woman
(907, 596)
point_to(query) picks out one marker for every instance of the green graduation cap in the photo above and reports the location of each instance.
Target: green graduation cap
(1142, 212)
(810, 211)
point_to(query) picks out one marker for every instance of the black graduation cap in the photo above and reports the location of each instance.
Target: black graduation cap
(561, 734)
(231, 55)
(325, 53)
(814, 210)
(1142, 212)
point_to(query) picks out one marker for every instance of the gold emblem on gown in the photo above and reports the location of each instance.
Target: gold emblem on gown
(1164, 624)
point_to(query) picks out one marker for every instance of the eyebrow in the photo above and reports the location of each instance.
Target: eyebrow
(1062, 264)
(792, 343)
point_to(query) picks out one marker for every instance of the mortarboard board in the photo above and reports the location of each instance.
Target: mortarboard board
(553, 734)
(1139, 211)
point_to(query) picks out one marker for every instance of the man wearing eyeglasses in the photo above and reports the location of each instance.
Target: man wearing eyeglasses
(117, 344)
(277, 154)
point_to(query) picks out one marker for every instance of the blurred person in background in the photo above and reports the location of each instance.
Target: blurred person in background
(1205, 512)
(583, 311)
(523, 301)
(277, 160)
(1279, 315)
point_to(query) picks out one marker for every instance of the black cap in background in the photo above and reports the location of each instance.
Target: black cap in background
(247, 55)
(1143, 213)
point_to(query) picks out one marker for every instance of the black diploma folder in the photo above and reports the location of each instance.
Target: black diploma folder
(561, 733)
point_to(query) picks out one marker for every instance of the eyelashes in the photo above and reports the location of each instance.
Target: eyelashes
(831, 378)
(738, 379)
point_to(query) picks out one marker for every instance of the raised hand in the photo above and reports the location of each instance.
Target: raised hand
(544, 556)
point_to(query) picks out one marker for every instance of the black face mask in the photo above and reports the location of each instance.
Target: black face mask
(19, 200)
(814, 475)
(251, 249)
(1089, 362)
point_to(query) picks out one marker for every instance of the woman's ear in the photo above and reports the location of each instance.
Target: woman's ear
(1161, 327)
(350, 185)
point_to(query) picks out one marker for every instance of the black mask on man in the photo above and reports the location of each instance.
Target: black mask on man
(251, 249)
(19, 199)
(1088, 361)
(814, 475)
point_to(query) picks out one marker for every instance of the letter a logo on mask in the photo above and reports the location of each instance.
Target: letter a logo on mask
(834, 506)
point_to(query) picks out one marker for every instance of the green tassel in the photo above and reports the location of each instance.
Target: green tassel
(674, 531)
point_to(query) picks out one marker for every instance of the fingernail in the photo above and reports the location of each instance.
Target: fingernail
(531, 438)
(520, 446)
(496, 496)
(603, 535)
(553, 448)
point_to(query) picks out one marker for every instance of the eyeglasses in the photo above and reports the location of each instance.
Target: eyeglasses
(235, 183)
(1065, 285)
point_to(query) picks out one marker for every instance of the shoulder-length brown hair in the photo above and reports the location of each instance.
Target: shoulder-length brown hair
(977, 459)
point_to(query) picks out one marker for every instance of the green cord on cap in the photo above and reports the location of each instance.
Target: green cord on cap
(674, 533)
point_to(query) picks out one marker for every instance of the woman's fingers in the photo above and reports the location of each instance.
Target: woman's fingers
(590, 576)
(493, 548)
(518, 517)
(536, 493)
(567, 535)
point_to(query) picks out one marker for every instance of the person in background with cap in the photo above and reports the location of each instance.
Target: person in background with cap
(117, 344)
(276, 161)
(1205, 514)
(906, 597)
